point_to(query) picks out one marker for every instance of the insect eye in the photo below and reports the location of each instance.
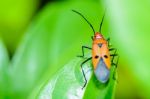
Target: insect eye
(105, 56)
(96, 56)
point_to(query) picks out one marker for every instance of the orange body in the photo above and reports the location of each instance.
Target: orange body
(100, 50)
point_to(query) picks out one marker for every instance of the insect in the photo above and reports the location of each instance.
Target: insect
(102, 60)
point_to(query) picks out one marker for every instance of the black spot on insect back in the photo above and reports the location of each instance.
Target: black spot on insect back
(96, 56)
(105, 56)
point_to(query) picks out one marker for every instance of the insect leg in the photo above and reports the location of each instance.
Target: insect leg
(83, 71)
(108, 40)
(83, 47)
(115, 64)
(112, 49)
(112, 61)
(113, 55)
(92, 37)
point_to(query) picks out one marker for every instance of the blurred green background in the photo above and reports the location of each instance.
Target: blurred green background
(39, 37)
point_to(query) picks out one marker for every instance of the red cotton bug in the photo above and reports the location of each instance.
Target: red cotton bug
(101, 57)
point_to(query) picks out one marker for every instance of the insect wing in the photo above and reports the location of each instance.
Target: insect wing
(101, 71)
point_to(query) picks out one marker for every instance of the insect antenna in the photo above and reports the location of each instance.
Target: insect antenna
(101, 23)
(85, 20)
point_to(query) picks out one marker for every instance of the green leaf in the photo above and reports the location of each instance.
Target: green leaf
(68, 83)
(4, 70)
